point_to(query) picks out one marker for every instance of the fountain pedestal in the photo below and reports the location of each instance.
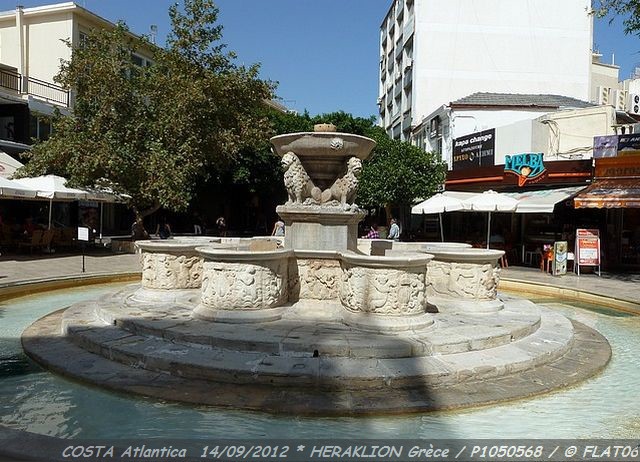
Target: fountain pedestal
(320, 228)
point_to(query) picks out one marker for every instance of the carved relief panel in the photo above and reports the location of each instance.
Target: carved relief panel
(383, 291)
(244, 286)
(168, 271)
(464, 280)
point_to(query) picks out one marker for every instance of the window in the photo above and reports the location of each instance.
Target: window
(140, 60)
(83, 39)
(39, 127)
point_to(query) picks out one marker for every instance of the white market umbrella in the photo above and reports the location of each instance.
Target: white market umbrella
(52, 187)
(438, 203)
(490, 201)
(8, 165)
(13, 190)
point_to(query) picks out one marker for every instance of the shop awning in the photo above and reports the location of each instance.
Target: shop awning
(610, 194)
(543, 201)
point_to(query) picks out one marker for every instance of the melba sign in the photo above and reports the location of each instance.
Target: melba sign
(527, 167)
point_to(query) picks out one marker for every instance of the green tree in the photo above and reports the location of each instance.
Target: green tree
(397, 173)
(153, 132)
(630, 9)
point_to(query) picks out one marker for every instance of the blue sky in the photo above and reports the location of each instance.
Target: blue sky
(323, 53)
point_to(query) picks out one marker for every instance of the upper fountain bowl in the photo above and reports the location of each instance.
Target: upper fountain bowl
(324, 152)
(323, 143)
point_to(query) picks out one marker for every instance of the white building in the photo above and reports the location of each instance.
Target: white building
(433, 52)
(32, 45)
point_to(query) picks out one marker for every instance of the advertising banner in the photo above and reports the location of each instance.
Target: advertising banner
(587, 248)
(475, 150)
(559, 265)
(605, 146)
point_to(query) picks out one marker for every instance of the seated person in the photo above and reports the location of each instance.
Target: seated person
(373, 232)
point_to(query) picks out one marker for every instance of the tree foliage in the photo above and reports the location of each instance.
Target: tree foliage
(151, 132)
(630, 9)
(397, 173)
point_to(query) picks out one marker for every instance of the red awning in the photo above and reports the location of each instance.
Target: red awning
(610, 194)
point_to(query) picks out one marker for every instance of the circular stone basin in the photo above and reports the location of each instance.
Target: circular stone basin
(463, 254)
(383, 294)
(446, 245)
(243, 286)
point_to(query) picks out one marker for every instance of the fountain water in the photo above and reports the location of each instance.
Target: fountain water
(323, 324)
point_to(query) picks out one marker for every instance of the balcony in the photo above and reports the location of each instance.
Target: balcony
(399, 49)
(408, 30)
(406, 123)
(397, 91)
(408, 78)
(13, 81)
(399, 8)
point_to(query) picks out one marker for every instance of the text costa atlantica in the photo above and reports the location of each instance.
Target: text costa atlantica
(133, 452)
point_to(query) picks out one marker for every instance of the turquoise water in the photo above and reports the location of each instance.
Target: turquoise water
(31, 399)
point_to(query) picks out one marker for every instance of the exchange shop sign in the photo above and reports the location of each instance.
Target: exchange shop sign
(527, 167)
(475, 150)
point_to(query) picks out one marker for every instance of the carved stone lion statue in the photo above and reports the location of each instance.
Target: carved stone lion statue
(296, 180)
(344, 189)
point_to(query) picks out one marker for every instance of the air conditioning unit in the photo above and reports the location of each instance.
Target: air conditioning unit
(634, 104)
(602, 97)
(620, 98)
(408, 64)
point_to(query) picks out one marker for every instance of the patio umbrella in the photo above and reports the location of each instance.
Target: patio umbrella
(52, 187)
(14, 190)
(438, 203)
(490, 201)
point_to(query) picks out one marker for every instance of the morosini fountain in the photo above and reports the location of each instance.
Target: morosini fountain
(322, 324)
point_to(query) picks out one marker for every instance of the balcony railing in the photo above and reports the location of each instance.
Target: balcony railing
(10, 80)
(48, 91)
(14, 81)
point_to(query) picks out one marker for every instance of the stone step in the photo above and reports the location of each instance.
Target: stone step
(301, 333)
(85, 328)
(44, 343)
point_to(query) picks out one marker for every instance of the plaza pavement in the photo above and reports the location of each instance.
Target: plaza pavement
(21, 269)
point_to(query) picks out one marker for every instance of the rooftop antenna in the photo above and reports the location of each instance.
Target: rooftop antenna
(154, 33)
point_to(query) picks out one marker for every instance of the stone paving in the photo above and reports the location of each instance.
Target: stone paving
(20, 269)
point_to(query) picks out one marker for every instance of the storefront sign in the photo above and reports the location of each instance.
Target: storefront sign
(588, 247)
(605, 146)
(628, 145)
(475, 150)
(616, 146)
(529, 168)
(618, 167)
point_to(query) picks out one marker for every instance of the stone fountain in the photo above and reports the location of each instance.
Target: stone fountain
(322, 323)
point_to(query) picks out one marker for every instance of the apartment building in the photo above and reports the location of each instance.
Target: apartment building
(433, 52)
(32, 45)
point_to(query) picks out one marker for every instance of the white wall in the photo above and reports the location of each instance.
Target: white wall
(568, 136)
(45, 48)
(505, 46)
